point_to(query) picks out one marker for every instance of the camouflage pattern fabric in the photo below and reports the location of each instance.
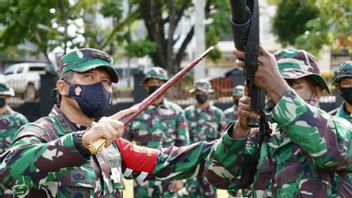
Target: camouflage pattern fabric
(231, 114)
(344, 71)
(300, 158)
(159, 126)
(10, 122)
(295, 64)
(203, 125)
(43, 161)
(157, 73)
(202, 85)
(342, 113)
(85, 59)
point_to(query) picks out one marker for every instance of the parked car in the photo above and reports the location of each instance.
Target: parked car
(24, 78)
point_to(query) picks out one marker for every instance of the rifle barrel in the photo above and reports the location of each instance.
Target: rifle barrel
(97, 146)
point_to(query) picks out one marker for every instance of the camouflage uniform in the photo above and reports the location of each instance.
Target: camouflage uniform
(204, 125)
(10, 122)
(344, 71)
(231, 113)
(301, 156)
(160, 125)
(46, 158)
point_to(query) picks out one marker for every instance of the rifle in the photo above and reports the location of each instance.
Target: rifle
(245, 27)
(97, 146)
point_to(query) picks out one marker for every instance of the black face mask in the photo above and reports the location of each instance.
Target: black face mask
(152, 89)
(92, 99)
(2, 102)
(346, 94)
(201, 99)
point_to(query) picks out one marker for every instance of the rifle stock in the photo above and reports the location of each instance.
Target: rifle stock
(97, 146)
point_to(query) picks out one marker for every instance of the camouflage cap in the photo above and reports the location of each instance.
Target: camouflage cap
(238, 90)
(85, 59)
(344, 71)
(202, 85)
(294, 64)
(6, 90)
(157, 73)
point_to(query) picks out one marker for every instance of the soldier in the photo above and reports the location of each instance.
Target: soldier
(49, 158)
(305, 147)
(10, 122)
(343, 82)
(231, 114)
(162, 124)
(205, 122)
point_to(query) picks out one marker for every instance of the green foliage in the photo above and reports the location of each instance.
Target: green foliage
(291, 17)
(140, 48)
(219, 26)
(331, 26)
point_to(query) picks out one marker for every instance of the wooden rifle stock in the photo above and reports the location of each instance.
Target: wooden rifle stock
(97, 146)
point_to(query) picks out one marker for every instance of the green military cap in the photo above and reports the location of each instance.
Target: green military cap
(6, 90)
(238, 90)
(85, 59)
(344, 71)
(202, 85)
(294, 64)
(157, 73)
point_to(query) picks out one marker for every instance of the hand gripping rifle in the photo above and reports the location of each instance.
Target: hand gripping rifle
(97, 146)
(245, 27)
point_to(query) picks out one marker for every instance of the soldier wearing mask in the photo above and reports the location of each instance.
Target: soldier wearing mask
(304, 149)
(343, 81)
(162, 124)
(50, 157)
(231, 114)
(205, 123)
(10, 122)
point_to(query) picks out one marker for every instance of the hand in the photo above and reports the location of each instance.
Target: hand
(108, 128)
(267, 72)
(241, 129)
(176, 185)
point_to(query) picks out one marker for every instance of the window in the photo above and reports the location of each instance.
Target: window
(19, 70)
(36, 68)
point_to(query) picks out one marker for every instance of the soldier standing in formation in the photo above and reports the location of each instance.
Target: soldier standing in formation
(49, 157)
(10, 122)
(305, 148)
(162, 124)
(231, 114)
(343, 81)
(205, 123)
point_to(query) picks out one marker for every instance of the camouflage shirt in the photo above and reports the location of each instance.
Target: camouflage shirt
(299, 158)
(43, 161)
(231, 114)
(159, 126)
(10, 121)
(204, 125)
(342, 113)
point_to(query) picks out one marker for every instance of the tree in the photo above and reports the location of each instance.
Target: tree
(331, 26)
(62, 23)
(291, 17)
(161, 19)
